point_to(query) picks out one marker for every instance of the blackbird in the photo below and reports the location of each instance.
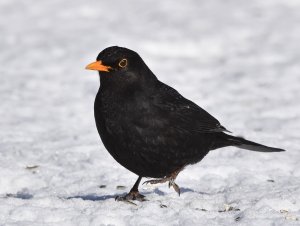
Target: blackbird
(150, 128)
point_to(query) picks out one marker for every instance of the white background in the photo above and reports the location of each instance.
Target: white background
(239, 60)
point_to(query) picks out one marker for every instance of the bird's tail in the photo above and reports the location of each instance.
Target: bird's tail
(249, 145)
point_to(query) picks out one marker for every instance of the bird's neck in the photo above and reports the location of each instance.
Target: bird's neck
(127, 83)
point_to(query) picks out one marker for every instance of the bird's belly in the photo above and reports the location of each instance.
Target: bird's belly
(147, 155)
(135, 157)
(146, 145)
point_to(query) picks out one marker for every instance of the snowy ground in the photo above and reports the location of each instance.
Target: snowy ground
(237, 59)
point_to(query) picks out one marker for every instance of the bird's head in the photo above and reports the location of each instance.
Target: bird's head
(121, 63)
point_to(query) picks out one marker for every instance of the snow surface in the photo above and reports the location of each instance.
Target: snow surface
(237, 59)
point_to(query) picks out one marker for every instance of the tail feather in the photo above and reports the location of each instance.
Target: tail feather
(250, 145)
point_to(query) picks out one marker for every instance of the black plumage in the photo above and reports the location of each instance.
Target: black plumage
(147, 126)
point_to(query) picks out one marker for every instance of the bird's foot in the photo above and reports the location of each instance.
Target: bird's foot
(170, 179)
(132, 195)
(175, 186)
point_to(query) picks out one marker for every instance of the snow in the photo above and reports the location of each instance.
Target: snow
(237, 59)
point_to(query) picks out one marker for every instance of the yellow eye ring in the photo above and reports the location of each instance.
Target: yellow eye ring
(123, 63)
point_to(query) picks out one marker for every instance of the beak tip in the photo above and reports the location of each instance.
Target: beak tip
(98, 66)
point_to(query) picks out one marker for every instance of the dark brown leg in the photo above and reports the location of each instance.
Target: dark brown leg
(134, 193)
(135, 187)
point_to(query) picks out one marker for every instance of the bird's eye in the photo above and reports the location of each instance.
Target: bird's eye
(123, 63)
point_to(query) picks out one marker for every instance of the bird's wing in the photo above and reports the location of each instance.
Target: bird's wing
(183, 114)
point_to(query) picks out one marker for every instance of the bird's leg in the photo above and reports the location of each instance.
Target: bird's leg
(170, 178)
(134, 193)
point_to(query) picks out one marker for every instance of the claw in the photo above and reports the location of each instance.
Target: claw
(169, 178)
(119, 198)
(158, 181)
(176, 188)
(163, 180)
(146, 182)
(131, 196)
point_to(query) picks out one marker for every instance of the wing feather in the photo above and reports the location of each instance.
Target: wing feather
(184, 114)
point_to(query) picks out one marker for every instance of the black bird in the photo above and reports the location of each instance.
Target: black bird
(148, 127)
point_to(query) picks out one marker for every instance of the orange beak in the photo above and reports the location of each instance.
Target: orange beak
(98, 66)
